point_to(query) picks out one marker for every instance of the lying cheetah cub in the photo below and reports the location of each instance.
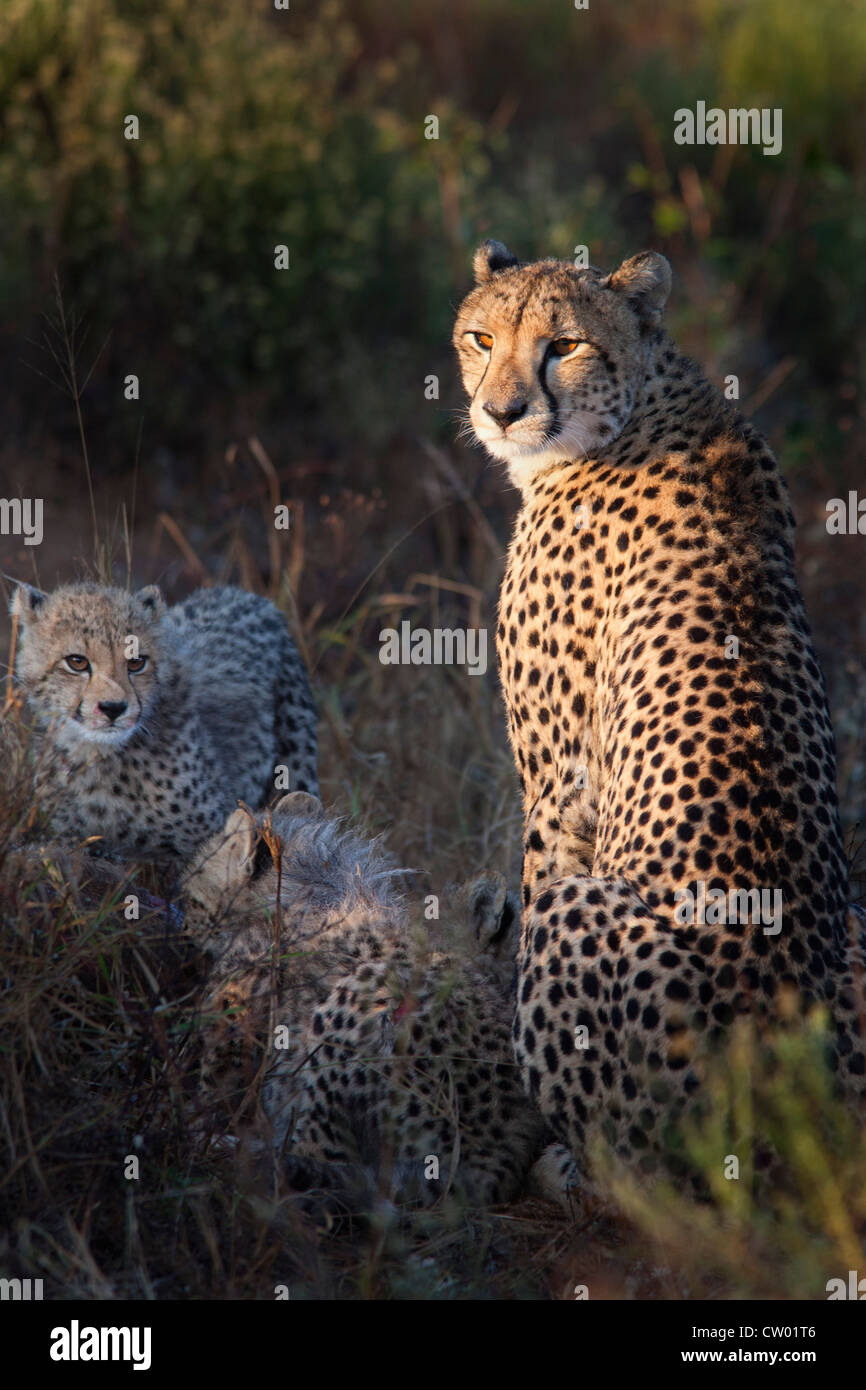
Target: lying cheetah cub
(388, 1063)
(151, 723)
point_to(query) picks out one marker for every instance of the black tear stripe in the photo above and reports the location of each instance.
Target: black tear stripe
(483, 375)
(548, 394)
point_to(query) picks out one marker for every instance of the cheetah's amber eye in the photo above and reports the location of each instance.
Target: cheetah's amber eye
(484, 340)
(136, 664)
(564, 347)
(77, 663)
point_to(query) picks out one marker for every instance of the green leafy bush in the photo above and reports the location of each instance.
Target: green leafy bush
(781, 1233)
(260, 128)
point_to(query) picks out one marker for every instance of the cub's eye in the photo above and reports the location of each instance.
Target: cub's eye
(484, 341)
(136, 664)
(564, 347)
(78, 664)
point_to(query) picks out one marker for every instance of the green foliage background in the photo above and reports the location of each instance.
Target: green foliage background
(306, 127)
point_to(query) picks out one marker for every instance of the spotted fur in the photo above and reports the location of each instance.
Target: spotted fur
(396, 1075)
(665, 705)
(151, 758)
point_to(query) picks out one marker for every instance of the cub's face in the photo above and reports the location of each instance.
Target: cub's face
(553, 357)
(88, 658)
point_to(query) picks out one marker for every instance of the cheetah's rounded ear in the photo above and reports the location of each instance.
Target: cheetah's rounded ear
(223, 865)
(300, 804)
(645, 280)
(491, 257)
(151, 600)
(25, 603)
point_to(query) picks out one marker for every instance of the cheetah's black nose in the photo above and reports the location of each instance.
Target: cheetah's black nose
(507, 414)
(113, 709)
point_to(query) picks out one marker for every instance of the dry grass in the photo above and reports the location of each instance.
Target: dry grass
(783, 1235)
(100, 1046)
(98, 1014)
(100, 1021)
(101, 1032)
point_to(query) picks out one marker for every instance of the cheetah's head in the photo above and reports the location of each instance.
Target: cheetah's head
(87, 658)
(321, 872)
(553, 356)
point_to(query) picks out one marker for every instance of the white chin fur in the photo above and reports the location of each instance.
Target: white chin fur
(523, 471)
(73, 734)
(577, 440)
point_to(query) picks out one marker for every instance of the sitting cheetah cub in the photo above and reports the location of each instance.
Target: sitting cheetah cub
(388, 1065)
(152, 723)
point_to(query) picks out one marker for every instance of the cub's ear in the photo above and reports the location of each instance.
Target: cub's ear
(238, 848)
(226, 861)
(645, 281)
(151, 600)
(491, 257)
(25, 604)
(300, 804)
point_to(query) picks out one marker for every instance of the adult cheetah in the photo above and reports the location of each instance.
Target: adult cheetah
(665, 707)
